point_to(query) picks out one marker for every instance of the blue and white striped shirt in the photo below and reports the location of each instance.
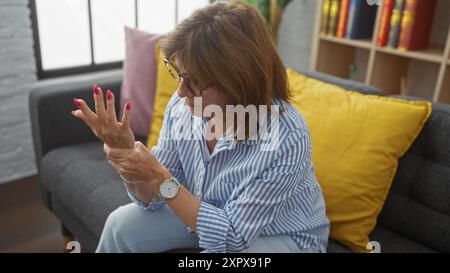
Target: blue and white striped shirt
(247, 192)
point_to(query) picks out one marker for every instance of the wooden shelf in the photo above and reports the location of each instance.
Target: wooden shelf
(422, 73)
(366, 44)
(398, 75)
(343, 57)
(434, 53)
(444, 95)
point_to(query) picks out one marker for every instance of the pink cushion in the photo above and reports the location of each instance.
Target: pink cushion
(139, 78)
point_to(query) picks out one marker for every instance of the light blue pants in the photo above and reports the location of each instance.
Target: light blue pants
(133, 229)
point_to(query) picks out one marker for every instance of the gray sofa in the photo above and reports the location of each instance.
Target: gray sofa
(81, 189)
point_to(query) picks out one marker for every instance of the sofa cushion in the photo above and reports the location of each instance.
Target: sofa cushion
(139, 78)
(344, 83)
(84, 182)
(392, 242)
(418, 205)
(336, 247)
(165, 87)
(357, 141)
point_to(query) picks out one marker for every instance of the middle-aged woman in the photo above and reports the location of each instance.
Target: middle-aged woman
(215, 192)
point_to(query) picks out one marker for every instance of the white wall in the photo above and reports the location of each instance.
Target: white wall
(295, 33)
(17, 74)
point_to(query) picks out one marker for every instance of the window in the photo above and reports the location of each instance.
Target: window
(77, 36)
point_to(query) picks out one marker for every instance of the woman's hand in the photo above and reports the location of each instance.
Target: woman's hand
(103, 122)
(137, 163)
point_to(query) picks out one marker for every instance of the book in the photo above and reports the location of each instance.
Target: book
(396, 19)
(416, 24)
(343, 18)
(361, 19)
(383, 32)
(334, 16)
(325, 15)
(351, 16)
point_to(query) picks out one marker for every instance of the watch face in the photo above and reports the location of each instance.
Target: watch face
(169, 189)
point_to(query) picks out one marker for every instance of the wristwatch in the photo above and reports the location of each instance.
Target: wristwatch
(168, 189)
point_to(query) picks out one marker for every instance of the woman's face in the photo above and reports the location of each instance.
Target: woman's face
(210, 96)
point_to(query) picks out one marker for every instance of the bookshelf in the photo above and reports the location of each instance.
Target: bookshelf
(445, 96)
(422, 73)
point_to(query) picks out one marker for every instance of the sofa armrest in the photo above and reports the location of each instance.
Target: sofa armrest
(51, 102)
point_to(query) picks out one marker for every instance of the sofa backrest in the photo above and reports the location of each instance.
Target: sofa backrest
(346, 84)
(50, 103)
(418, 204)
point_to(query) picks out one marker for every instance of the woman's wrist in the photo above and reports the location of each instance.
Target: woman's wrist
(143, 192)
(158, 177)
(132, 182)
(122, 145)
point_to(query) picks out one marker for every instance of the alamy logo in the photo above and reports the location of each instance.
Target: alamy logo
(374, 247)
(74, 247)
(235, 122)
(374, 2)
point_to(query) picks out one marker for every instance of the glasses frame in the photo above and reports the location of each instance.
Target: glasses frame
(176, 75)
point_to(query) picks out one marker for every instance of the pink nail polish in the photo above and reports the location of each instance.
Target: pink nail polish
(128, 106)
(95, 88)
(76, 102)
(108, 94)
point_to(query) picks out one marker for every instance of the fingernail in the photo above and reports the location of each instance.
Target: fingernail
(76, 102)
(108, 94)
(95, 88)
(128, 106)
(73, 112)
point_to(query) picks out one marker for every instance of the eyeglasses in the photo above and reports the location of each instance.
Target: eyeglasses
(173, 71)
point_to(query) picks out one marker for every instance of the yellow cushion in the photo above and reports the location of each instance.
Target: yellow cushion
(165, 86)
(357, 140)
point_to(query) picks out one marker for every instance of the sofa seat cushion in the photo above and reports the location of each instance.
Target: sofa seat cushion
(392, 242)
(84, 182)
(336, 247)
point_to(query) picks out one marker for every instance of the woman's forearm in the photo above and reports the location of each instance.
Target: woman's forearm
(186, 206)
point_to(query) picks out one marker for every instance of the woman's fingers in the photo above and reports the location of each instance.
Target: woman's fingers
(126, 117)
(110, 107)
(79, 114)
(99, 102)
(107, 151)
(122, 170)
(88, 114)
(117, 154)
(116, 166)
(106, 148)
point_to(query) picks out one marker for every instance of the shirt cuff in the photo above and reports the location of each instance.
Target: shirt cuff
(212, 228)
(152, 206)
